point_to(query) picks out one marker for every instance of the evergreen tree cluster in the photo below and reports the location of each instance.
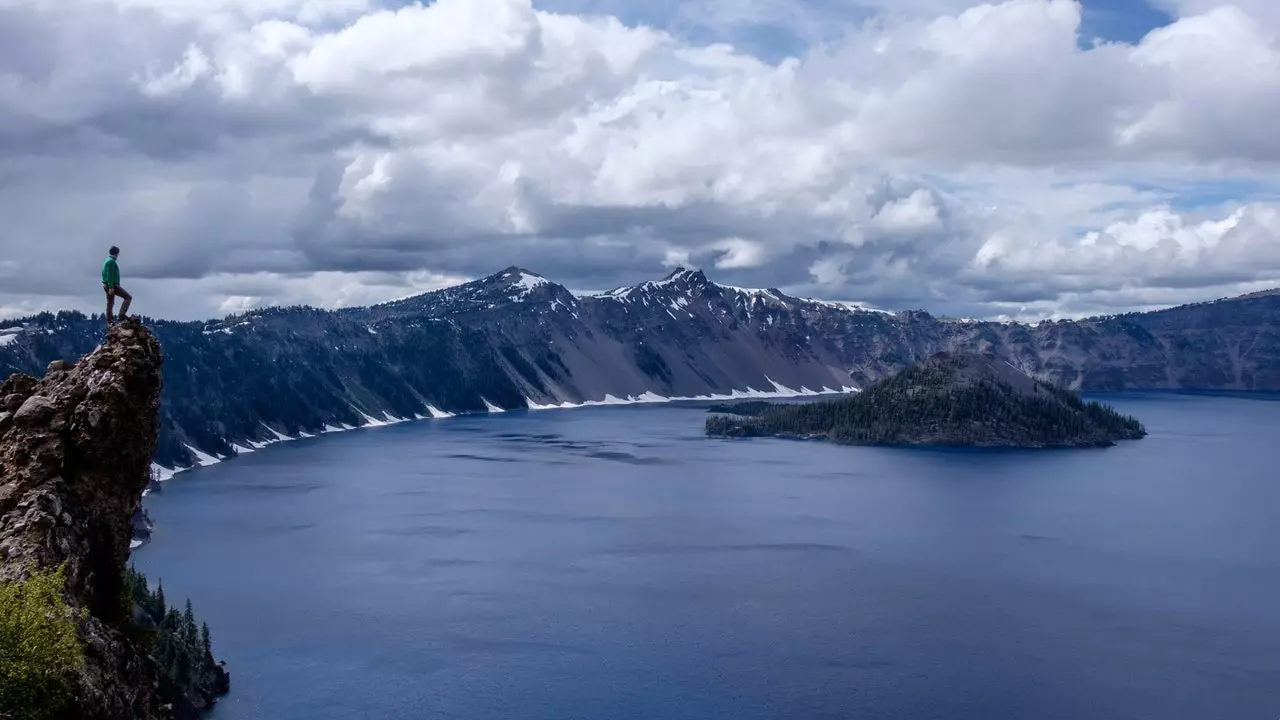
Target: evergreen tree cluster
(946, 402)
(746, 408)
(191, 678)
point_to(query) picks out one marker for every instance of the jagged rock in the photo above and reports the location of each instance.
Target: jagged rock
(70, 489)
(142, 524)
(15, 389)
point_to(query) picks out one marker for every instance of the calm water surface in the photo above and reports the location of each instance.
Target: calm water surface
(613, 563)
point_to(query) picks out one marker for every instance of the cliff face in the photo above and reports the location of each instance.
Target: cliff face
(75, 451)
(515, 339)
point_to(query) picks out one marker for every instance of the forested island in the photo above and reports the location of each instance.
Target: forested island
(951, 399)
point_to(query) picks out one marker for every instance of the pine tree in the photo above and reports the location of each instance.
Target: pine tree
(189, 625)
(182, 651)
(161, 607)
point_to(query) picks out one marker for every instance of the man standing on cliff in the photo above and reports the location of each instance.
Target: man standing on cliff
(111, 285)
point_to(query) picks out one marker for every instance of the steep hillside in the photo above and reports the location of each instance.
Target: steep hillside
(955, 399)
(515, 339)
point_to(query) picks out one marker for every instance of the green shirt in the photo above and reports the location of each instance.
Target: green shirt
(110, 273)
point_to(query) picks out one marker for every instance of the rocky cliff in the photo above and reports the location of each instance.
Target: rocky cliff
(75, 449)
(516, 340)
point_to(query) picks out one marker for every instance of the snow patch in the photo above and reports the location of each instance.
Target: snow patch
(370, 420)
(525, 283)
(225, 330)
(437, 413)
(779, 387)
(202, 458)
(529, 281)
(491, 407)
(847, 305)
(281, 437)
(780, 392)
(535, 406)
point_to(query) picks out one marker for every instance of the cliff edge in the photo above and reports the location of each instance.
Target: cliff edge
(75, 451)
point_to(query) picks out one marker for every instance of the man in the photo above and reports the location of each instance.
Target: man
(111, 285)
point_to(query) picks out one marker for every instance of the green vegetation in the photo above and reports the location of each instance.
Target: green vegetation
(40, 649)
(190, 677)
(948, 400)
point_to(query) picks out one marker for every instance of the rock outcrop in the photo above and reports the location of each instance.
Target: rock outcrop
(75, 454)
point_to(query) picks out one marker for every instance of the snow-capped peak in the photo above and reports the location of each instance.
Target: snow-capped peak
(524, 279)
(777, 295)
(679, 274)
(680, 278)
(517, 282)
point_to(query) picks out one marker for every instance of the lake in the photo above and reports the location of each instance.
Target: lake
(613, 563)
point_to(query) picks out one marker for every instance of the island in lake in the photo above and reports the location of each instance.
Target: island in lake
(950, 399)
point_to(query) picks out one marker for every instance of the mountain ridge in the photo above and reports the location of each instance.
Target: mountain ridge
(515, 340)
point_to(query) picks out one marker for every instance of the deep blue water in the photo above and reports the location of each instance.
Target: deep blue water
(613, 563)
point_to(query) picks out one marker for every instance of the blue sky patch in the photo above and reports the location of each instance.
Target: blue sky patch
(1120, 20)
(774, 38)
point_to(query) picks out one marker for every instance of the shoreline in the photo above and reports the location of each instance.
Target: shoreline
(163, 474)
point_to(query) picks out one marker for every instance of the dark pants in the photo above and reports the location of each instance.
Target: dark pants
(112, 294)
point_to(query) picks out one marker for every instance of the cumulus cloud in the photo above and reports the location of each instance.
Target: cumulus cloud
(984, 159)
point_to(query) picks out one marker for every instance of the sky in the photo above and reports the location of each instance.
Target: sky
(1019, 159)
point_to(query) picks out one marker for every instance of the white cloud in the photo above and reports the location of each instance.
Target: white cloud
(913, 213)
(738, 253)
(194, 65)
(924, 154)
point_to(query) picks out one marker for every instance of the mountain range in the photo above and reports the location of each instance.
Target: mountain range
(516, 340)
